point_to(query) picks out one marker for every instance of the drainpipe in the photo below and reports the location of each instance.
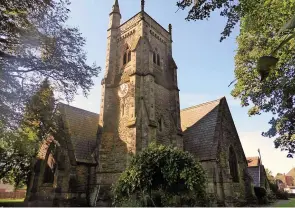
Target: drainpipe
(259, 165)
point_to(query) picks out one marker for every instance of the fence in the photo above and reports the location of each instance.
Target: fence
(12, 195)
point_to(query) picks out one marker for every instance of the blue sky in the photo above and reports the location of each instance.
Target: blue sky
(205, 66)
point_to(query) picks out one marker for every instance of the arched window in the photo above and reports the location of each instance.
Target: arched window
(127, 56)
(233, 164)
(49, 170)
(158, 59)
(154, 58)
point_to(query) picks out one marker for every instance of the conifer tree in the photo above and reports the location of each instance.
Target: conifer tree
(19, 147)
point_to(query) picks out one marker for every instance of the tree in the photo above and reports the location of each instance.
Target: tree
(275, 94)
(18, 147)
(269, 175)
(161, 176)
(233, 10)
(35, 44)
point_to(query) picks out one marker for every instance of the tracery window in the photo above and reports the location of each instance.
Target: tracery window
(233, 165)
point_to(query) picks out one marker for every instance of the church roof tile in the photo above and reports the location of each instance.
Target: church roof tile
(82, 126)
(198, 124)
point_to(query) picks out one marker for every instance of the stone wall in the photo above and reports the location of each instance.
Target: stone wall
(234, 191)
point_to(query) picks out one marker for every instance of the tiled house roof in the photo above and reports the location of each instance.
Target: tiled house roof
(253, 161)
(289, 180)
(291, 173)
(82, 127)
(281, 177)
(198, 124)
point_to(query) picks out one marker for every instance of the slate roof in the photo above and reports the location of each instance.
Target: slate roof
(82, 126)
(254, 173)
(198, 124)
(253, 161)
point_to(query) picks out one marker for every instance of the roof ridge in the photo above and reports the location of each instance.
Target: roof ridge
(77, 108)
(253, 157)
(202, 104)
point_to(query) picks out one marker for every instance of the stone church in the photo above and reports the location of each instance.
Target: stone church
(139, 104)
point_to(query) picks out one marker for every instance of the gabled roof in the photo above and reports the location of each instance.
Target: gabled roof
(198, 124)
(291, 173)
(253, 161)
(136, 42)
(82, 127)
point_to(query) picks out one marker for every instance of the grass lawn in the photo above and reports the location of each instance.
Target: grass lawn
(11, 202)
(285, 203)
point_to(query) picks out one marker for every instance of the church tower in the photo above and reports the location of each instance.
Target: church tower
(140, 96)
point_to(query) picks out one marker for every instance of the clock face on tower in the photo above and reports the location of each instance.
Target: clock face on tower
(123, 90)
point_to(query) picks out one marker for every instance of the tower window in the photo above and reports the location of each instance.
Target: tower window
(158, 59)
(125, 59)
(127, 56)
(233, 165)
(154, 58)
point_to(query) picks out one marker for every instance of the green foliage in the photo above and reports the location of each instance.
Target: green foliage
(261, 195)
(19, 146)
(202, 9)
(15, 156)
(278, 193)
(233, 11)
(35, 43)
(161, 176)
(289, 25)
(259, 37)
(273, 187)
(282, 195)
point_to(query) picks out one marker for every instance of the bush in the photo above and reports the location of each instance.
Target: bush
(260, 192)
(278, 193)
(261, 195)
(274, 187)
(282, 195)
(161, 176)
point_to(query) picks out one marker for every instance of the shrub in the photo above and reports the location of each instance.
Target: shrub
(278, 193)
(260, 192)
(274, 187)
(161, 176)
(282, 195)
(261, 195)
